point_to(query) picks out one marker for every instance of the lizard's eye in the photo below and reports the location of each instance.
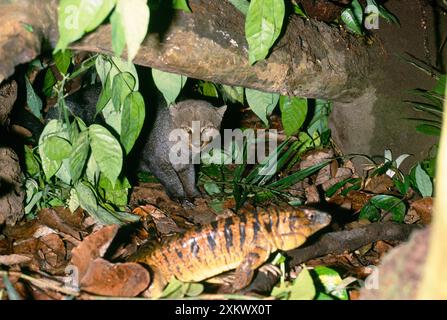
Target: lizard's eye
(311, 216)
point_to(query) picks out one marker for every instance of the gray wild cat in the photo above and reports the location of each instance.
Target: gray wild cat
(189, 116)
(179, 179)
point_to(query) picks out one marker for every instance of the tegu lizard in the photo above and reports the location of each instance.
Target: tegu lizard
(241, 242)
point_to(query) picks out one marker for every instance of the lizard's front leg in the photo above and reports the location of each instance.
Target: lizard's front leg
(244, 272)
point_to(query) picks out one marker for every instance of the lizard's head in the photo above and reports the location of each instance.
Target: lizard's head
(295, 225)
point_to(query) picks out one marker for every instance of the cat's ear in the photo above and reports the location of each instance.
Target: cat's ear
(222, 110)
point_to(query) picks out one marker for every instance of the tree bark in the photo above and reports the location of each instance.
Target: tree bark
(312, 59)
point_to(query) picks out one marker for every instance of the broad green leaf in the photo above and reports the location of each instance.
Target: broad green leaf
(79, 155)
(241, 5)
(263, 25)
(48, 82)
(211, 188)
(119, 65)
(56, 148)
(132, 16)
(303, 287)
(103, 66)
(118, 34)
(233, 93)
(62, 59)
(104, 97)
(348, 17)
(332, 282)
(92, 172)
(31, 162)
(78, 16)
(208, 89)
(107, 151)
(123, 217)
(194, 289)
(390, 204)
(423, 182)
(170, 84)
(293, 113)
(181, 5)
(32, 99)
(261, 103)
(123, 85)
(117, 194)
(174, 289)
(369, 212)
(88, 202)
(73, 201)
(64, 173)
(132, 120)
(53, 128)
(112, 117)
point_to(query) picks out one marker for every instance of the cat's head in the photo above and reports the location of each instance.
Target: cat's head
(199, 119)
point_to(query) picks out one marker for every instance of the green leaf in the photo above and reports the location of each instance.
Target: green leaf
(31, 163)
(332, 190)
(233, 93)
(241, 5)
(48, 82)
(62, 59)
(53, 128)
(174, 289)
(429, 129)
(104, 97)
(123, 85)
(107, 151)
(194, 289)
(263, 25)
(78, 16)
(369, 212)
(211, 188)
(208, 89)
(303, 287)
(103, 66)
(297, 176)
(390, 204)
(117, 194)
(131, 17)
(132, 120)
(441, 85)
(88, 202)
(331, 281)
(32, 99)
(293, 113)
(118, 34)
(56, 148)
(181, 5)
(170, 84)
(79, 156)
(351, 22)
(261, 103)
(423, 182)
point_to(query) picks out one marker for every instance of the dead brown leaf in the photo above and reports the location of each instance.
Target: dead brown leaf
(312, 195)
(117, 280)
(52, 253)
(379, 184)
(164, 224)
(424, 208)
(62, 220)
(93, 246)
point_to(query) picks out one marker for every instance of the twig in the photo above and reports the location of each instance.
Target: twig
(42, 283)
